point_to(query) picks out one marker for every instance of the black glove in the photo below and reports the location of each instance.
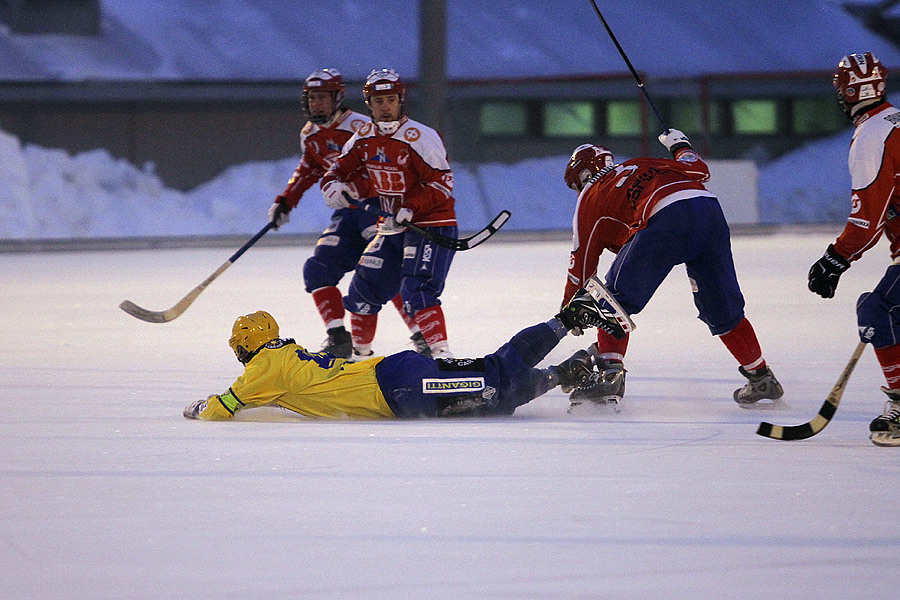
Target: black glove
(824, 274)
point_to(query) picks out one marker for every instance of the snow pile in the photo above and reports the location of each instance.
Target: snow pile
(49, 193)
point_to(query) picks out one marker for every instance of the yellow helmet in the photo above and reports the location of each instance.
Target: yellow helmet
(250, 333)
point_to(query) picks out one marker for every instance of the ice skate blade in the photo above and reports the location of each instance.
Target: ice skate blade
(884, 439)
(766, 404)
(592, 408)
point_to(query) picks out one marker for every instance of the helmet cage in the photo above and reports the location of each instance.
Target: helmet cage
(587, 160)
(324, 80)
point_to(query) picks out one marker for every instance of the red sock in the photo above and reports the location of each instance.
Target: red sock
(330, 304)
(362, 329)
(609, 347)
(743, 345)
(398, 303)
(889, 358)
(431, 323)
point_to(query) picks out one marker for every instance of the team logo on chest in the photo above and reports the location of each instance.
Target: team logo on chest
(381, 156)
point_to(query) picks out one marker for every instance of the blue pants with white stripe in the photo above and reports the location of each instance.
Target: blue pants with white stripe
(878, 311)
(692, 232)
(405, 262)
(339, 247)
(416, 386)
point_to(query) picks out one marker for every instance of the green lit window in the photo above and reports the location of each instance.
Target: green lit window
(568, 119)
(816, 116)
(687, 116)
(623, 117)
(504, 118)
(755, 116)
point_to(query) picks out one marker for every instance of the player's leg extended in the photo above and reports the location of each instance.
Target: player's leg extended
(416, 386)
(720, 303)
(375, 282)
(878, 316)
(425, 268)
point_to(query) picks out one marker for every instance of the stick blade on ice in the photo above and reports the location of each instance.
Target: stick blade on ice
(150, 316)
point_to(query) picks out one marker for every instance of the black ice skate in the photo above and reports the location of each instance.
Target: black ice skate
(605, 388)
(338, 343)
(574, 371)
(761, 385)
(420, 345)
(885, 428)
(594, 306)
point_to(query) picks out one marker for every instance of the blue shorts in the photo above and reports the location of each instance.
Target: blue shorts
(692, 232)
(339, 247)
(878, 311)
(416, 386)
(406, 263)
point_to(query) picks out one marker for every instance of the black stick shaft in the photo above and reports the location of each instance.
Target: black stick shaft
(637, 77)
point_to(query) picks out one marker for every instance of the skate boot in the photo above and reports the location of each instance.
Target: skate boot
(761, 385)
(359, 354)
(604, 388)
(574, 371)
(420, 345)
(338, 343)
(584, 311)
(885, 429)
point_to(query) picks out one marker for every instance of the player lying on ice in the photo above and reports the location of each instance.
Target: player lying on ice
(405, 385)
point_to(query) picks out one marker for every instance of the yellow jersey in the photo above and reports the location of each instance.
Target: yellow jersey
(315, 385)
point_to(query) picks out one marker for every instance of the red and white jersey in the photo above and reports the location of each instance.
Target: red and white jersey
(408, 169)
(874, 163)
(321, 144)
(618, 203)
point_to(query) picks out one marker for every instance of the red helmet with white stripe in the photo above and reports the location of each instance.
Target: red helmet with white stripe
(323, 80)
(587, 160)
(859, 82)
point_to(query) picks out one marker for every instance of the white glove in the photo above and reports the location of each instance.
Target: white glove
(334, 191)
(279, 213)
(403, 216)
(672, 137)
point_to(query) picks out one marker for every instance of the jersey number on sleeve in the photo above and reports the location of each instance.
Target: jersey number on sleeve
(321, 359)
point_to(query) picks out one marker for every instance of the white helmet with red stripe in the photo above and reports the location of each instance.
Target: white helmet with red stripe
(859, 82)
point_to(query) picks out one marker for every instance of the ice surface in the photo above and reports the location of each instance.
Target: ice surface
(107, 492)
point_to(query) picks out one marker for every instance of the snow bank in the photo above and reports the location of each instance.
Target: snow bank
(49, 193)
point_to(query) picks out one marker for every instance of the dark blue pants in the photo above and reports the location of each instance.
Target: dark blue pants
(405, 262)
(878, 311)
(692, 232)
(340, 246)
(416, 386)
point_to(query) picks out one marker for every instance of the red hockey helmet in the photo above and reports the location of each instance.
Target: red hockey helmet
(587, 160)
(324, 80)
(859, 81)
(382, 83)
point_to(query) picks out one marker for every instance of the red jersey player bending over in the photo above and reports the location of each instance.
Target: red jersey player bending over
(874, 168)
(655, 214)
(407, 166)
(339, 247)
